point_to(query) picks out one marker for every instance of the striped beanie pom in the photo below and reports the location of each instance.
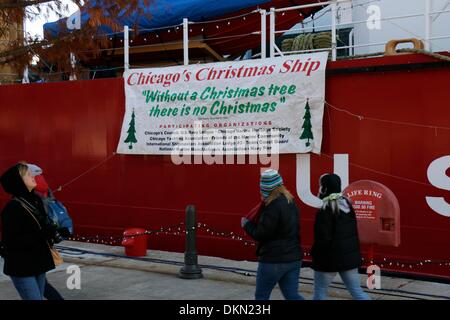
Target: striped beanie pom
(270, 180)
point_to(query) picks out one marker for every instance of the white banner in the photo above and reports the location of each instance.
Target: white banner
(197, 106)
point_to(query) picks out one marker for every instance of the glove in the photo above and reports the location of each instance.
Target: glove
(244, 221)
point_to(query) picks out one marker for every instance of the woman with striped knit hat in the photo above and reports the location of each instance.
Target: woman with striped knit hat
(277, 231)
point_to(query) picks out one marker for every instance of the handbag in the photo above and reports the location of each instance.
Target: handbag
(57, 259)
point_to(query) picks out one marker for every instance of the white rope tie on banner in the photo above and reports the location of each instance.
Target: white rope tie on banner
(84, 173)
(383, 173)
(361, 117)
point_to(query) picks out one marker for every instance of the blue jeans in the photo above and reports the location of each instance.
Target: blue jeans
(322, 281)
(285, 274)
(30, 288)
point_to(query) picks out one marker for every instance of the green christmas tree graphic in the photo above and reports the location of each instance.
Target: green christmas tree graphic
(131, 138)
(307, 132)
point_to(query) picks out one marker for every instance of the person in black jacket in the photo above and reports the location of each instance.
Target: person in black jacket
(336, 242)
(42, 189)
(278, 234)
(27, 234)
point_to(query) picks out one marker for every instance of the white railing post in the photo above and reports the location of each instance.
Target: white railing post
(351, 50)
(427, 25)
(72, 64)
(126, 48)
(185, 41)
(272, 32)
(263, 34)
(333, 31)
(25, 78)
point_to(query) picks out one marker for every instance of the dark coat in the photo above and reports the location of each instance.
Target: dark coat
(336, 242)
(26, 248)
(277, 232)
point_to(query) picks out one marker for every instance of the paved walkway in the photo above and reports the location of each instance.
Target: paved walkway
(108, 275)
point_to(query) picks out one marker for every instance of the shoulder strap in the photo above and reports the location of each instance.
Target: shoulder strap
(25, 203)
(27, 209)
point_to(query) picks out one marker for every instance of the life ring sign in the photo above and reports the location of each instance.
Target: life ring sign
(377, 212)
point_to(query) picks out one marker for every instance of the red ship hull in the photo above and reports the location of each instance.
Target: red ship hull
(71, 129)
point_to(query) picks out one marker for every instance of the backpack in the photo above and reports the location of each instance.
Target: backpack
(57, 212)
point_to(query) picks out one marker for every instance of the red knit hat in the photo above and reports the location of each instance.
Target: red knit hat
(41, 185)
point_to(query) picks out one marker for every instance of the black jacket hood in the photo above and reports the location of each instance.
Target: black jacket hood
(329, 183)
(12, 182)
